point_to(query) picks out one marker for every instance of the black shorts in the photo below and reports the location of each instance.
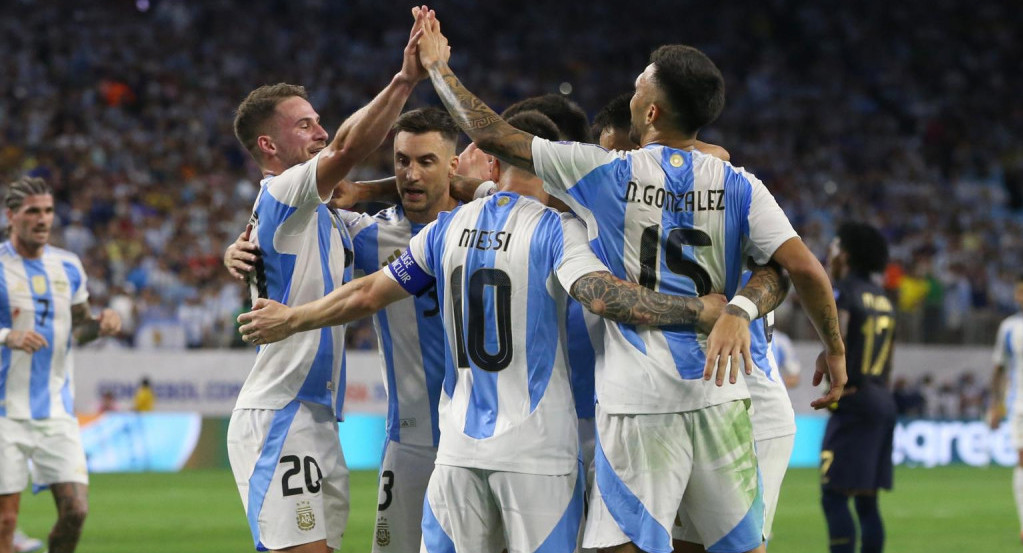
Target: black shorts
(857, 449)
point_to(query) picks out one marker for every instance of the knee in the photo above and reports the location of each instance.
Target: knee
(866, 505)
(74, 514)
(831, 499)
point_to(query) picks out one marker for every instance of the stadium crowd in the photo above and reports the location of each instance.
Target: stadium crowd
(127, 109)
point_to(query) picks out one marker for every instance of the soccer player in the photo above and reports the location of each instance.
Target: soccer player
(856, 456)
(282, 439)
(649, 383)
(1008, 360)
(612, 123)
(43, 303)
(409, 331)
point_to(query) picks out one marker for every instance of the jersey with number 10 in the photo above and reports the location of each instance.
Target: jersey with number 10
(677, 222)
(501, 266)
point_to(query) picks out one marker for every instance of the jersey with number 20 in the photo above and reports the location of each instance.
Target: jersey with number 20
(502, 266)
(675, 221)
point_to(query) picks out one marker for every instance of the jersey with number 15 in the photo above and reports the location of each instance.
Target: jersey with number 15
(502, 266)
(675, 221)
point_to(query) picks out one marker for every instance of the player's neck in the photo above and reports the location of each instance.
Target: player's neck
(25, 250)
(669, 138)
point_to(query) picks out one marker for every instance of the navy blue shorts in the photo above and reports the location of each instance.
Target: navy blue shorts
(857, 449)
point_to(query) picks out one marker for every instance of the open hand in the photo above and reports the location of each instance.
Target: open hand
(267, 322)
(728, 347)
(26, 340)
(834, 366)
(240, 257)
(433, 46)
(474, 162)
(109, 322)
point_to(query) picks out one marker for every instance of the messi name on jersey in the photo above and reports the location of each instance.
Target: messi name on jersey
(480, 239)
(694, 200)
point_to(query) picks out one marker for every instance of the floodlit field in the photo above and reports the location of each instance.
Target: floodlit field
(932, 510)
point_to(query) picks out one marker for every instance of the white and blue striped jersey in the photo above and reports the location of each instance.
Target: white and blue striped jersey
(772, 414)
(584, 334)
(37, 294)
(305, 253)
(501, 266)
(784, 353)
(1009, 354)
(677, 222)
(411, 354)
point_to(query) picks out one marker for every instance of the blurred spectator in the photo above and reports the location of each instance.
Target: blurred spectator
(144, 399)
(908, 401)
(107, 402)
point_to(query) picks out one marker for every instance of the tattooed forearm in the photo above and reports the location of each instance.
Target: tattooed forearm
(737, 311)
(630, 303)
(84, 328)
(485, 127)
(767, 287)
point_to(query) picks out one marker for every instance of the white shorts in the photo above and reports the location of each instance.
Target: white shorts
(484, 510)
(651, 467)
(773, 459)
(53, 445)
(1016, 427)
(290, 473)
(587, 443)
(404, 474)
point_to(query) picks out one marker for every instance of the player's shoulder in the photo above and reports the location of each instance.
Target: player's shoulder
(1012, 321)
(61, 254)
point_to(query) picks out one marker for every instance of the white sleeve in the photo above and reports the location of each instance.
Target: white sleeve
(577, 258)
(80, 294)
(999, 356)
(297, 185)
(769, 228)
(485, 189)
(563, 164)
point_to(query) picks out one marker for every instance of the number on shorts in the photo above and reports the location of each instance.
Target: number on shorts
(827, 457)
(387, 477)
(312, 484)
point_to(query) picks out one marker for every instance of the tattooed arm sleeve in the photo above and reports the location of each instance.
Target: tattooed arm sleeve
(630, 303)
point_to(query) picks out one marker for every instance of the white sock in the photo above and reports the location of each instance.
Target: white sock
(1017, 491)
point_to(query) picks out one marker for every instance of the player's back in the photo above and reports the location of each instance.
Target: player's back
(410, 333)
(305, 253)
(37, 294)
(675, 221)
(870, 331)
(506, 401)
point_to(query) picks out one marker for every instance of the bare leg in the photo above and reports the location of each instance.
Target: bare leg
(72, 501)
(624, 548)
(313, 547)
(9, 504)
(680, 546)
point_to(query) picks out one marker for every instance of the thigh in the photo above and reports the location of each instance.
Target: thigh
(773, 459)
(539, 510)
(723, 500)
(15, 440)
(642, 465)
(460, 513)
(850, 454)
(58, 455)
(404, 475)
(291, 474)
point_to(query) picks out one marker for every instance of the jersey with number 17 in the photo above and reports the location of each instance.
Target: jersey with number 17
(502, 266)
(675, 221)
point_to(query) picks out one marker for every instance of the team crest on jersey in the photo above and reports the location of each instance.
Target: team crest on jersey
(39, 284)
(383, 533)
(305, 517)
(676, 160)
(503, 201)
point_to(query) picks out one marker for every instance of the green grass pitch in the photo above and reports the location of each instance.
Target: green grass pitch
(953, 509)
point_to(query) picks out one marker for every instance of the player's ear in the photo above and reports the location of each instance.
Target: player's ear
(653, 113)
(452, 166)
(266, 144)
(495, 169)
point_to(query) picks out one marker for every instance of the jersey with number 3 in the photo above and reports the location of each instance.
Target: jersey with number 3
(501, 266)
(677, 222)
(37, 295)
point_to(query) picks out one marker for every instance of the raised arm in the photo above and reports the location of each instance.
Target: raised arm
(627, 302)
(485, 127)
(811, 281)
(271, 321)
(365, 130)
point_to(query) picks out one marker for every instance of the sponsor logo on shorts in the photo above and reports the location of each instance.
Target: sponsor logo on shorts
(407, 423)
(305, 517)
(383, 532)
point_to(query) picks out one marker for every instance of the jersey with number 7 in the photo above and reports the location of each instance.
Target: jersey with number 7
(675, 221)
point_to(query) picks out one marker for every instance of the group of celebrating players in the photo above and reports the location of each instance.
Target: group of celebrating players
(551, 314)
